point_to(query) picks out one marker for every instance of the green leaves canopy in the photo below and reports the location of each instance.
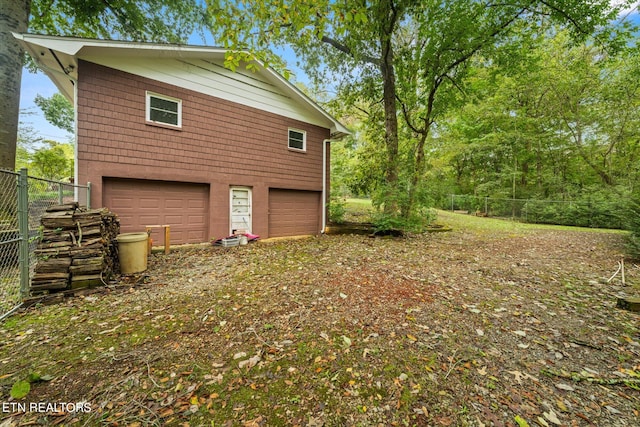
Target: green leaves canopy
(140, 20)
(57, 110)
(403, 59)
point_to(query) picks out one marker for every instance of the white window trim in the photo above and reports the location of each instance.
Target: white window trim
(167, 98)
(304, 139)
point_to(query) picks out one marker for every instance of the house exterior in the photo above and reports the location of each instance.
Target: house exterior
(167, 135)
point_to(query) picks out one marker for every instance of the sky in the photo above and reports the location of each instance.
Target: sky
(39, 83)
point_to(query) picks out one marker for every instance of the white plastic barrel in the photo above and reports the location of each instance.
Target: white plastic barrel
(132, 252)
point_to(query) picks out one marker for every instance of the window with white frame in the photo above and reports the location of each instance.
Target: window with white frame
(297, 139)
(164, 110)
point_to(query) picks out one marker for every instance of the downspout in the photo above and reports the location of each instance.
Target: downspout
(76, 181)
(324, 185)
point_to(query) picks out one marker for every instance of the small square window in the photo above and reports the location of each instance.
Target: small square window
(164, 110)
(297, 139)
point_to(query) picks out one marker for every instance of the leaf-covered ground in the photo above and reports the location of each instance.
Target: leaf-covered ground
(491, 324)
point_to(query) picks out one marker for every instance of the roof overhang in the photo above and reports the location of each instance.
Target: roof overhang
(58, 58)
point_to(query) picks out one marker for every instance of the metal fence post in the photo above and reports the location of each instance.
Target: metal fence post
(60, 194)
(23, 227)
(88, 195)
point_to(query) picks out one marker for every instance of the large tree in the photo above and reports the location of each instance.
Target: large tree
(13, 17)
(407, 58)
(139, 20)
(563, 122)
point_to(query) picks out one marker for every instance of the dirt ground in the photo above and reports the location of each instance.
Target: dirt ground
(485, 325)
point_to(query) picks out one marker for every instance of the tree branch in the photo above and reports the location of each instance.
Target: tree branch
(347, 50)
(564, 14)
(481, 43)
(405, 113)
(453, 82)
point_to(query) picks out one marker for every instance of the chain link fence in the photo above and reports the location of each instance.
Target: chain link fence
(23, 200)
(9, 242)
(560, 212)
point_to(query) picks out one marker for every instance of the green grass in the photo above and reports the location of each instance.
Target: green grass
(364, 203)
(358, 210)
(481, 224)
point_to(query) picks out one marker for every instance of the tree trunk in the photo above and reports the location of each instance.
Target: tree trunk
(390, 125)
(387, 15)
(14, 16)
(416, 177)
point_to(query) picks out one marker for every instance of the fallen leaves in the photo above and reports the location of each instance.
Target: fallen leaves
(456, 329)
(251, 362)
(552, 417)
(565, 387)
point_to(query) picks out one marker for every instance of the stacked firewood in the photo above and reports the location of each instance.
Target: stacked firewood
(76, 249)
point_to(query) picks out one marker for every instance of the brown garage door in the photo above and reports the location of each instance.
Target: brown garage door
(293, 212)
(138, 203)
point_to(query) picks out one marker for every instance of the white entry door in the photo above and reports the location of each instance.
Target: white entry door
(240, 209)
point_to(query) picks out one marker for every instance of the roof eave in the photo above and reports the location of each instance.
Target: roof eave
(58, 57)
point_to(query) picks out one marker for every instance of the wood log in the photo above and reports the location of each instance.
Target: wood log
(40, 277)
(88, 261)
(65, 207)
(86, 281)
(88, 222)
(52, 252)
(48, 245)
(63, 219)
(44, 300)
(55, 235)
(52, 265)
(50, 285)
(86, 252)
(629, 303)
(85, 243)
(85, 269)
(77, 249)
(99, 213)
(91, 230)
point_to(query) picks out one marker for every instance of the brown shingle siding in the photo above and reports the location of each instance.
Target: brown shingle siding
(221, 143)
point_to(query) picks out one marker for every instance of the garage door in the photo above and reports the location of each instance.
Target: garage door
(138, 203)
(293, 212)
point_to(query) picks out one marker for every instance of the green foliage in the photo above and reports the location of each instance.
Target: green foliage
(57, 110)
(337, 209)
(521, 421)
(399, 67)
(20, 389)
(44, 159)
(417, 222)
(52, 162)
(558, 126)
(632, 223)
(170, 21)
(598, 209)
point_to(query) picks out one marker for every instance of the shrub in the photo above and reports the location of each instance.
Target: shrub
(632, 223)
(416, 223)
(337, 210)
